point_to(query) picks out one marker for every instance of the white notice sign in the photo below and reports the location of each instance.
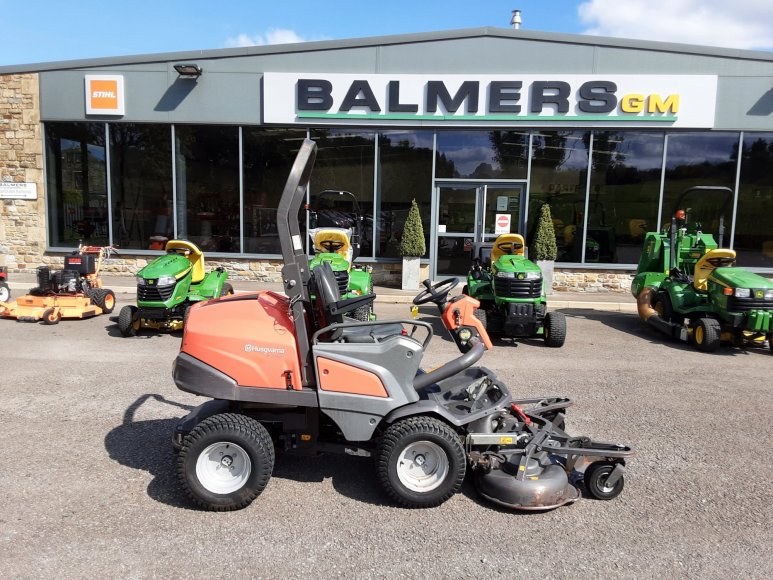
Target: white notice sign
(502, 223)
(502, 203)
(12, 190)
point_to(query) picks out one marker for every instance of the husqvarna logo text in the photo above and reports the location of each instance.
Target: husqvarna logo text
(267, 350)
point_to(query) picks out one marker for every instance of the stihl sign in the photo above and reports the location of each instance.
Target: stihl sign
(104, 95)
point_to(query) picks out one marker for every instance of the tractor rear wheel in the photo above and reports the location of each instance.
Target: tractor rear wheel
(226, 462)
(51, 316)
(129, 321)
(420, 462)
(706, 334)
(555, 329)
(770, 342)
(466, 290)
(361, 314)
(226, 290)
(103, 298)
(481, 315)
(665, 309)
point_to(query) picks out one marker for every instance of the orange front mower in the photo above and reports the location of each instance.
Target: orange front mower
(74, 292)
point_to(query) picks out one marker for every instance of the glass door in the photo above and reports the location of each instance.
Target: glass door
(500, 201)
(457, 228)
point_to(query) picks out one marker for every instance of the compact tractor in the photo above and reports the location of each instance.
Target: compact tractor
(168, 286)
(289, 373)
(73, 292)
(336, 238)
(511, 292)
(687, 285)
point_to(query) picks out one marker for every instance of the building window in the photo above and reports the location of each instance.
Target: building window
(141, 185)
(268, 157)
(626, 169)
(405, 174)
(559, 169)
(701, 159)
(753, 240)
(76, 179)
(207, 168)
(345, 162)
(482, 154)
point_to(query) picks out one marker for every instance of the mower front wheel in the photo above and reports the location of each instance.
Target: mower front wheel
(706, 334)
(51, 316)
(5, 292)
(596, 476)
(129, 321)
(555, 329)
(420, 462)
(226, 462)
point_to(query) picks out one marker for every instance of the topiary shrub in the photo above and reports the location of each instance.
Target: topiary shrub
(412, 243)
(543, 246)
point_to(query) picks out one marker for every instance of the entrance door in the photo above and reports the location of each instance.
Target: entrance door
(467, 214)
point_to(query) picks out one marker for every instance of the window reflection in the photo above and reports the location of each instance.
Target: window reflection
(268, 157)
(141, 185)
(559, 170)
(207, 166)
(482, 154)
(753, 239)
(345, 160)
(76, 180)
(405, 168)
(625, 187)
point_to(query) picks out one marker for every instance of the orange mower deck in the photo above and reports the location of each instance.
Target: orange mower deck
(51, 309)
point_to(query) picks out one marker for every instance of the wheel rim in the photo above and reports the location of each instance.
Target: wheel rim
(699, 335)
(4, 294)
(109, 302)
(602, 483)
(223, 467)
(422, 466)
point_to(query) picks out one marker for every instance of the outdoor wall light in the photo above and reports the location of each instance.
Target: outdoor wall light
(188, 70)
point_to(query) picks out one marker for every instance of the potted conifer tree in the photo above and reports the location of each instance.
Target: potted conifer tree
(412, 248)
(543, 247)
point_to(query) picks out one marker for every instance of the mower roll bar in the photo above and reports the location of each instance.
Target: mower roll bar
(414, 323)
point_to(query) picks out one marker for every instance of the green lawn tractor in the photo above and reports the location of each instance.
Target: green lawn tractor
(687, 285)
(168, 286)
(511, 292)
(335, 236)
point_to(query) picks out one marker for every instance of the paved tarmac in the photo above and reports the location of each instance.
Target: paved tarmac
(89, 488)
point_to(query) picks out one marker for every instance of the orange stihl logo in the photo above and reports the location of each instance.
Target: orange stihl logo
(104, 94)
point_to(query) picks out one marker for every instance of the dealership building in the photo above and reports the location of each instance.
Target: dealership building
(481, 127)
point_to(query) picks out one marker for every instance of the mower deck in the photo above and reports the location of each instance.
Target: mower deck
(50, 309)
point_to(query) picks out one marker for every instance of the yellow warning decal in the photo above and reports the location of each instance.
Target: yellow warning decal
(521, 468)
(505, 440)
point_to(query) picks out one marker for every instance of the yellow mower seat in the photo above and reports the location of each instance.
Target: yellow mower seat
(194, 255)
(718, 258)
(517, 244)
(335, 236)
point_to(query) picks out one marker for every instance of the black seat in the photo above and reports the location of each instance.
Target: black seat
(325, 288)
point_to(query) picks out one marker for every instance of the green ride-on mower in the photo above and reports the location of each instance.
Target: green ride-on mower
(687, 285)
(511, 292)
(168, 286)
(336, 236)
(289, 373)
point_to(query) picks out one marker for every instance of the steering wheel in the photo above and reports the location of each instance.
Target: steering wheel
(437, 292)
(509, 247)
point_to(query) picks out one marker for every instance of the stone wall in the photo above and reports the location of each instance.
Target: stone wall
(22, 222)
(592, 281)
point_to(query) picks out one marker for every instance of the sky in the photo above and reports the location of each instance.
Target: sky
(36, 31)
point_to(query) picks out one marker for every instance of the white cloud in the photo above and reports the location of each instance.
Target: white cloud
(273, 36)
(746, 24)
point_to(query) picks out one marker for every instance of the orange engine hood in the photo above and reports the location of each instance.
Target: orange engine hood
(249, 337)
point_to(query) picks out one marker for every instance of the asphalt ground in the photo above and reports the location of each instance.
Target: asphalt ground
(89, 487)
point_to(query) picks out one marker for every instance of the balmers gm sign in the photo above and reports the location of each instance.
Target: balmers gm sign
(476, 100)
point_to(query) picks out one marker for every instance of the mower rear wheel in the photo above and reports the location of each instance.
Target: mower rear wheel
(420, 462)
(129, 321)
(665, 309)
(770, 342)
(226, 462)
(5, 292)
(596, 476)
(555, 329)
(226, 290)
(466, 290)
(103, 298)
(51, 316)
(361, 314)
(706, 334)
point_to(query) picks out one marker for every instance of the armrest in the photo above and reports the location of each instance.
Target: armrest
(451, 368)
(344, 306)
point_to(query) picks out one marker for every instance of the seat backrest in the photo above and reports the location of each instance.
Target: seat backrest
(515, 241)
(719, 258)
(338, 237)
(327, 293)
(194, 255)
